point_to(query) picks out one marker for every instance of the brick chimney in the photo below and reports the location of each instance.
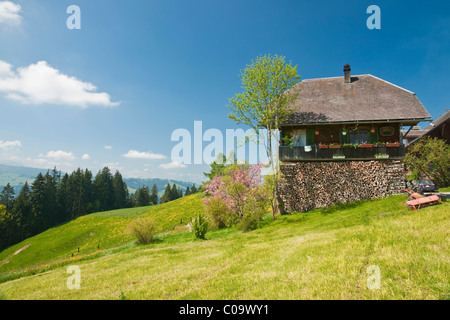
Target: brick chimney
(347, 77)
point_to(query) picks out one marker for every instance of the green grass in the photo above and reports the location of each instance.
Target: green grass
(93, 234)
(322, 254)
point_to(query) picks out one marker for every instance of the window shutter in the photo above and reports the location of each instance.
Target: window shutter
(310, 137)
(373, 137)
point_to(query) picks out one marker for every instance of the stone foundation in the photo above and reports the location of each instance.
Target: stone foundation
(310, 185)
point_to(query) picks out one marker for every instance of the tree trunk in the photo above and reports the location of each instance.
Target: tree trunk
(274, 205)
(281, 208)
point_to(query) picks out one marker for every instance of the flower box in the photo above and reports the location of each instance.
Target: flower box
(382, 156)
(392, 144)
(323, 146)
(338, 156)
(366, 145)
(379, 145)
(335, 146)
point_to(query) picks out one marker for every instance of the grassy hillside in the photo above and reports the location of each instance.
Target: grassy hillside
(93, 234)
(322, 254)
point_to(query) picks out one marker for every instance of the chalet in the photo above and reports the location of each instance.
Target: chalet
(343, 141)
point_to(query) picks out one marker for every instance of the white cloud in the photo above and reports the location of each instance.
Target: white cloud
(108, 147)
(40, 83)
(9, 13)
(9, 144)
(60, 155)
(172, 165)
(85, 157)
(134, 154)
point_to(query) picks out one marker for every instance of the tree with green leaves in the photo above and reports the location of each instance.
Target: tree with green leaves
(429, 158)
(5, 227)
(23, 212)
(120, 191)
(142, 197)
(7, 197)
(167, 196)
(174, 192)
(154, 195)
(104, 190)
(266, 103)
(54, 198)
(38, 198)
(218, 167)
(51, 212)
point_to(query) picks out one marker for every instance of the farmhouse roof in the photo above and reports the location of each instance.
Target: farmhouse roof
(438, 124)
(361, 98)
(439, 121)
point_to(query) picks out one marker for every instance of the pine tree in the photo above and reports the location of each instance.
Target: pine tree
(104, 190)
(56, 176)
(173, 192)
(218, 167)
(50, 213)
(37, 197)
(142, 197)
(64, 198)
(5, 227)
(23, 213)
(88, 192)
(120, 191)
(167, 196)
(194, 189)
(187, 192)
(154, 195)
(7, 197)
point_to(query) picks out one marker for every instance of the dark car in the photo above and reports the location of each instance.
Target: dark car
(426, 185)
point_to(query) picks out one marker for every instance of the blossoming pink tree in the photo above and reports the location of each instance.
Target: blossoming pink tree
(239, 185)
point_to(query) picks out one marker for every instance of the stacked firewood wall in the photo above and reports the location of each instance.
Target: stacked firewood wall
(310, 185)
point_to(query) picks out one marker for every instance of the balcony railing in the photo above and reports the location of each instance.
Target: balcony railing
(340, 153)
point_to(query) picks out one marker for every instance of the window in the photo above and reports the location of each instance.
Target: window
(359, 136)
(299, 138)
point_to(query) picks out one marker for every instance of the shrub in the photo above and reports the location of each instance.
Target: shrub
(255, 208)
(429, 158)
(218, 213)
(143, 229)
(200, 226)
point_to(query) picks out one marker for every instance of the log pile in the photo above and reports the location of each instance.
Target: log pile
(310, 185)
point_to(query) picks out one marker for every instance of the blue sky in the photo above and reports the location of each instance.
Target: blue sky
(161, 65)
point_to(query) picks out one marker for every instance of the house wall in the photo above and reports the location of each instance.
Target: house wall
(310, 185)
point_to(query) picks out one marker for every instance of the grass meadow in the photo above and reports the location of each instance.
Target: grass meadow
(322, 254)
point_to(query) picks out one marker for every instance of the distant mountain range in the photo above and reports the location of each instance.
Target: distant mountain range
(16, 176)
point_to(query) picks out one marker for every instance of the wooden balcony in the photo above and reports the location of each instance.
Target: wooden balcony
(335, 153)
